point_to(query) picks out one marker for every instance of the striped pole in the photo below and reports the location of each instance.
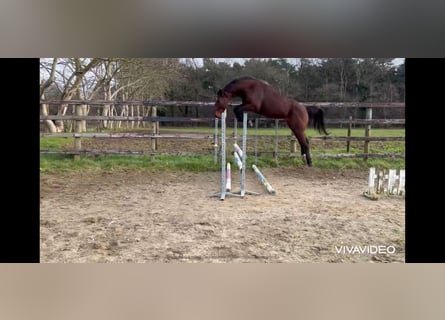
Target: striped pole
(238, 150)
(263, 179)
(228, 178)
(238, 161)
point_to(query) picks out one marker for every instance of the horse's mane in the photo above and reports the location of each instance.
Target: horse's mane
(245, 78)
(228, 86)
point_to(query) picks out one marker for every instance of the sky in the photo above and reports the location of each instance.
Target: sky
(396, 61)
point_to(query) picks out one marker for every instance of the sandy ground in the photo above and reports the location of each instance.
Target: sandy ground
(142, 216)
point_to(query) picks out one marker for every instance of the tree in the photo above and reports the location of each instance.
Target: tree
(49, 68)
(309, 77)
(67, 76)
(372, 78)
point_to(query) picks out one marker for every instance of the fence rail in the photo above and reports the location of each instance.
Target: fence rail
(196, 120)
(126, 118)
(346, 138)
(127, 135)
(155, 136)
(212, 103)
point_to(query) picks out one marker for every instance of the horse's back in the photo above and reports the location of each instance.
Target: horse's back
(269, 101)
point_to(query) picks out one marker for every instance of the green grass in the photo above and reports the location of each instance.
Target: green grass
(55, 143)
(55, 162)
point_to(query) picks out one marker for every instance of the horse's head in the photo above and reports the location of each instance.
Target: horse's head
(222, 101)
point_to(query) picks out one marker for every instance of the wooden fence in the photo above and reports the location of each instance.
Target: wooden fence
(154, 136)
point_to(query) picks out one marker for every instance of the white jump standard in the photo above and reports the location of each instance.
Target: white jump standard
(224, 174)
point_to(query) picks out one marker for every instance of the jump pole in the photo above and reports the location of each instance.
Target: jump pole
(228, 177)
(238, 150)
(263, 179)
(238, 161)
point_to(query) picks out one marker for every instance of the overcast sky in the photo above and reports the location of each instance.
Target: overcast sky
(396, 61)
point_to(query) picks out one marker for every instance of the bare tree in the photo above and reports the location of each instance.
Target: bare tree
(67, 75)
(107, 78)
(50, 68)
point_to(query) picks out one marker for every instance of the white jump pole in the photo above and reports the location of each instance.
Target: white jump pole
(228, 177)
(238, 161)
(263, 179)
(238, 150)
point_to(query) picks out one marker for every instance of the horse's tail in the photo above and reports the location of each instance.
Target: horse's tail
(316, 114)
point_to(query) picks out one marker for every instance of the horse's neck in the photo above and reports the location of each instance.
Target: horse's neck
(234, 90)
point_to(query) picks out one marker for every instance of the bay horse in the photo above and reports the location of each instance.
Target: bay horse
(260, 97)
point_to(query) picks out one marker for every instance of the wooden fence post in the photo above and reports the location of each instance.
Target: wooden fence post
(276, 141)
(368, 128)
(155, 129)
(235, 130)
(293, 144)
(78, 129)
(348, 142)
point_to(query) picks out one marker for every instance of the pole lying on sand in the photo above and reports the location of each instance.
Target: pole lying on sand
(263, 179)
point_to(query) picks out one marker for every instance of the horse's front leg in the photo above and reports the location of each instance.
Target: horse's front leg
(240, 109)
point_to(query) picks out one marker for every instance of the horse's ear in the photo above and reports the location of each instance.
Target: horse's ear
(219, 93)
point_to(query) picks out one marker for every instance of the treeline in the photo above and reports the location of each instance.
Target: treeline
(330, 79)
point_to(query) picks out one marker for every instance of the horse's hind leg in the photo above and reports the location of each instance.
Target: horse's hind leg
(305, 152)
(304, 144)
(308, 153)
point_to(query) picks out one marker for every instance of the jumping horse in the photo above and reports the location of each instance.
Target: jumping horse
(260, 97)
